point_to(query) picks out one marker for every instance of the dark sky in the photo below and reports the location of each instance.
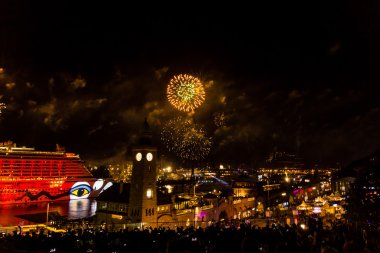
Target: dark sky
(299, 77)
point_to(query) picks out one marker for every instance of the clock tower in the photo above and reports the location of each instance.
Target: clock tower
(143, 192)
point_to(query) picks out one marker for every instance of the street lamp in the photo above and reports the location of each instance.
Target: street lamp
(47, 213)
(194, 188)
(268, 192)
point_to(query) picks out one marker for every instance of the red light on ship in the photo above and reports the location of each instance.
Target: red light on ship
(27, 175)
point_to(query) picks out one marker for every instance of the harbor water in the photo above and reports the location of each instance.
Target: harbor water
(17, 214)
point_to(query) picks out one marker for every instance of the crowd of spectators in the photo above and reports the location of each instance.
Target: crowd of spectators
(339, 238)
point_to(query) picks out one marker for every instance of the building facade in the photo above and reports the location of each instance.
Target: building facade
(139, 204)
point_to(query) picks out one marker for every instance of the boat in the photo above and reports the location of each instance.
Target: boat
(28, 175)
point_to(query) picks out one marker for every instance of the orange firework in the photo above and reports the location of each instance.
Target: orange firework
(186, 92)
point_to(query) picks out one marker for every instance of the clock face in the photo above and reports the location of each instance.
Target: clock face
(149, 157)
(138, 156)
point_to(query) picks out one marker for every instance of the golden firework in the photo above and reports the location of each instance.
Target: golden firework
(186, 92)
(186, 139)
(2, 107)
(219, 119)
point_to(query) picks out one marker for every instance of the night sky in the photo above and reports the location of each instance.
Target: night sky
(300, 78)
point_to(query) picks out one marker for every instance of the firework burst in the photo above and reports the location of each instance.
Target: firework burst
(2, 107)
(219, 119)
(185, 92)
(186, 139)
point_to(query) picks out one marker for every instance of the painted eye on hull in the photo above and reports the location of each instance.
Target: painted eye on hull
(80, 190)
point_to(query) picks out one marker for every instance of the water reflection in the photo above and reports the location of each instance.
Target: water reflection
(73, 209)
(81, 208)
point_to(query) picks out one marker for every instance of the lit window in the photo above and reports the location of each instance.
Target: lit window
(149, 193)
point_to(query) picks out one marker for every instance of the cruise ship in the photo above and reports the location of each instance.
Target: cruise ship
(28, 175)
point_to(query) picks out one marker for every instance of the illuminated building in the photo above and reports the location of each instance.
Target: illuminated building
(140, 204)
(137, 203)
(121, 172)
(288, 165)
(244, 187)
(359, 183)
(27, 175)
(143, 192)
(363, 172)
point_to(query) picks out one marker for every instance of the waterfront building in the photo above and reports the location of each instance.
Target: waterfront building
(283, 167)
(140, 204)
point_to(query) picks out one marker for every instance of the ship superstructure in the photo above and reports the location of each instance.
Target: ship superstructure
(27, 175)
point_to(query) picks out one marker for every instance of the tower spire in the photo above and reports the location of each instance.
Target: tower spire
(146, 124)
(146, 135)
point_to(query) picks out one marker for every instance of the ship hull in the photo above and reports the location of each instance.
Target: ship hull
(32, 191)
(27, 175)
